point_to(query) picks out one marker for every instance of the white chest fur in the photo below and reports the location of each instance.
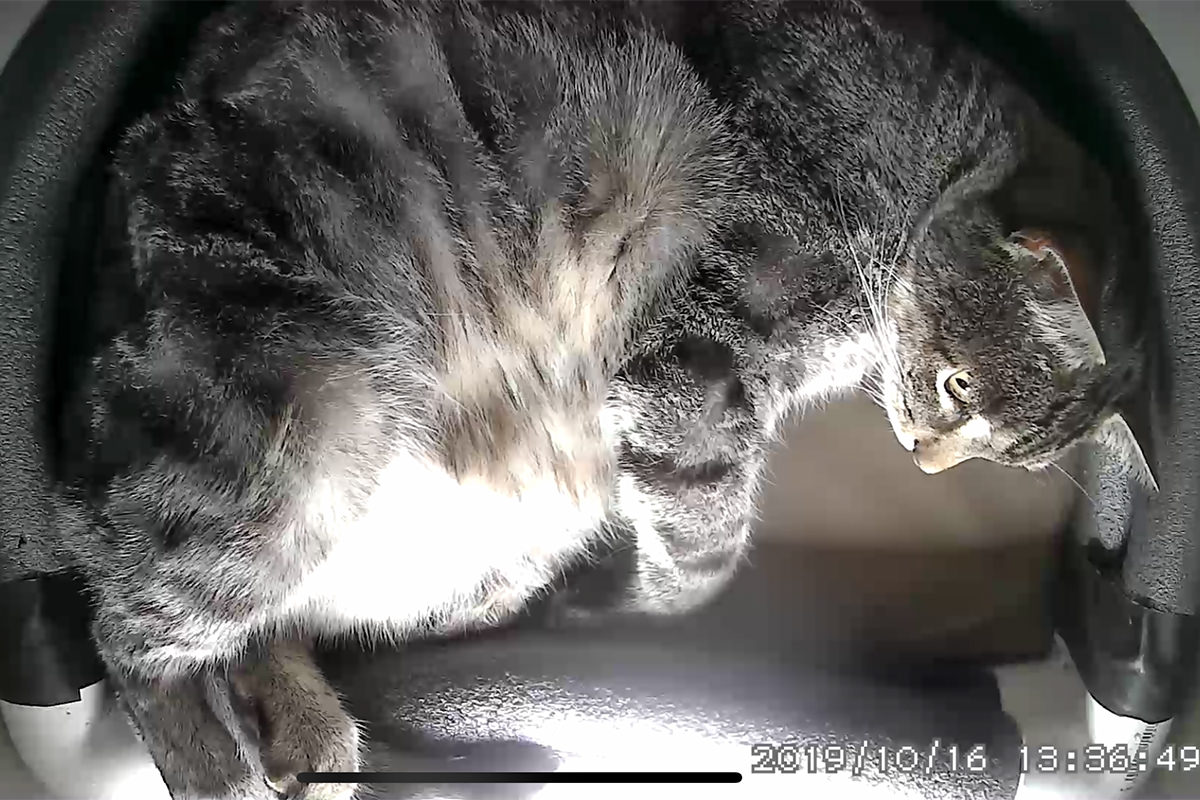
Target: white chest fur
(429, 550)
(840, 366)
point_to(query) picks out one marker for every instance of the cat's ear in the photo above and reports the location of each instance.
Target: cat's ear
(1063, 309)
(1115, 435)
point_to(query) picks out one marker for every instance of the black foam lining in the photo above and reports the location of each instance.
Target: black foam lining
(85, 67)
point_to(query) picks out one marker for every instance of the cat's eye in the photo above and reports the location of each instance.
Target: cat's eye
(959, 385)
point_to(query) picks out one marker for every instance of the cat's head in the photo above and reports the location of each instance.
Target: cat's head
(994, 353)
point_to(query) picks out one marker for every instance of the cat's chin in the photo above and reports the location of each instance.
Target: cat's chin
(935, 456)
(929, 469)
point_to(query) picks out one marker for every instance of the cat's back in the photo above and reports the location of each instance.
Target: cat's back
(370, 248)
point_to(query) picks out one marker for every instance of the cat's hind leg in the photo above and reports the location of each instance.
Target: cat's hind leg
(302, 726)
(170, 665)
(184, 722)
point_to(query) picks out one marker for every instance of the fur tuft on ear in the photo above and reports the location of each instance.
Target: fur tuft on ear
(1063, 310)
(1115, 435)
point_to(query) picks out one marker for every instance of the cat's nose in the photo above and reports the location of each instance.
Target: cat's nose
(923, 461)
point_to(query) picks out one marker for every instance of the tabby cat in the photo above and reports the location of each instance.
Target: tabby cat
(411, 306)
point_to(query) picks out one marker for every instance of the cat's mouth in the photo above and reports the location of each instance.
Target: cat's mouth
(931, 453)
(938, 456)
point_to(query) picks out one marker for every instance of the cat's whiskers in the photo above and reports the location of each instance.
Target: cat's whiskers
(1077, 484)
(863, 282)
(893, 223)
(877, 323)
(870, 386)
(874, 396)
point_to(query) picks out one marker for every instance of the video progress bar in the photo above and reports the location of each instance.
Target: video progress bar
(519, 777)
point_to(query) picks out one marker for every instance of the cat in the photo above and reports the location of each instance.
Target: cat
(404, 309)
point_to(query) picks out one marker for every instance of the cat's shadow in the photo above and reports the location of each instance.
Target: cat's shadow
(375, 697)
(395, 747)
